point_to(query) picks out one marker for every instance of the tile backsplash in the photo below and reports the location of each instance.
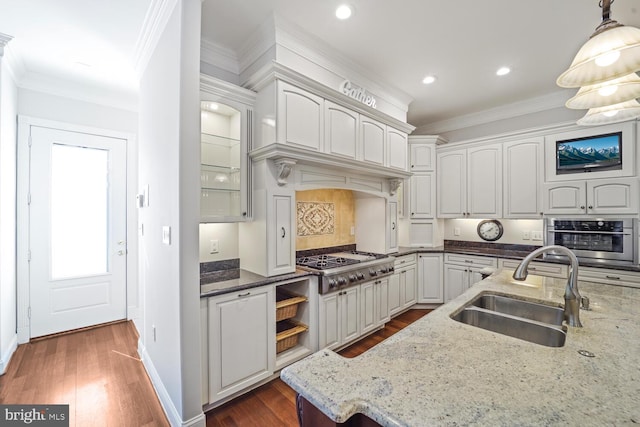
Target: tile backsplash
(324, 218)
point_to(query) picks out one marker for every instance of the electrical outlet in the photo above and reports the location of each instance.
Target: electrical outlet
(456, 231)
(536, 235)
(353, 230)
(526, 235)
(213, 247)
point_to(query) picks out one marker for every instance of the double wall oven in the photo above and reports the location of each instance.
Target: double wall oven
(611, 241)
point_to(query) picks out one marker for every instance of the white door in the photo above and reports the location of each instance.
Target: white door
(77, 230)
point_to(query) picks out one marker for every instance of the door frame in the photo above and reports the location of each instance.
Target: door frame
(134, 301)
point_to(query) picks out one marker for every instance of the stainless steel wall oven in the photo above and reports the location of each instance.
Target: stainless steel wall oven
(596, 240)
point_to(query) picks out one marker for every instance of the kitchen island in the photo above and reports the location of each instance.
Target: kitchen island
(438, 371)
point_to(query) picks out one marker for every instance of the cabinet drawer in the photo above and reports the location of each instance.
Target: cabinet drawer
(609, 277)
(538, 268)
(470, 260)
(403, 260)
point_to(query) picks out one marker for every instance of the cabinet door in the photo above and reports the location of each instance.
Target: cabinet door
(396, 149)
(329, 321)
(382, 301)
(522, 179)
(300, 117)
(455, 281)
(372, 141)
(350, 314)
(204, 349)
(473, 276)
(394, 297)
(421, 233)
(241, 340)
(368, 307)
(423, 157)
(566, 198)
(281, 237)
(341, 130)
(392, 226)
(423, 196)
(430, 280)
(452, 184)
(612, 196)
(408, 283)
(484, 181)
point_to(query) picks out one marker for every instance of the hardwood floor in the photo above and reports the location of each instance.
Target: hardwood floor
(96, 371)
(274, 404)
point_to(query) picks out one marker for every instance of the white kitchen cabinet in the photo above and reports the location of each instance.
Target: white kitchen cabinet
(374, 304)
(300, 118)
(422, 233)
(241, 340)
(598, 196)
(470, 182)
(609, 277)
(422, 156)
(397, 149)
(422, 200)
(402, 284)
(392, 226)
(538, 268)
(373, 137)
(281, 236)
(430, 279)
(339, 318)
(341, 131)
(226, 129)
(462, 271)
(523, 177)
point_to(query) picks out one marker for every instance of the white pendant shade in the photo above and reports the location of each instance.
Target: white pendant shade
(611, 114)
(604, 47)
(608, 93)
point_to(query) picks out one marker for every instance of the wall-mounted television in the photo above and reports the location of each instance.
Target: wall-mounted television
(592, 153)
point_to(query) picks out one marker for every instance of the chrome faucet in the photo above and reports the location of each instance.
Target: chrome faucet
(572, 297)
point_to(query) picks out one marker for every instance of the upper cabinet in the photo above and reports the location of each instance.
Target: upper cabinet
(373, 140)
(470, 182)
(396, 149)
(300, 117)
(226, 128)
(341, 129)
(597, 196)
(523, 178)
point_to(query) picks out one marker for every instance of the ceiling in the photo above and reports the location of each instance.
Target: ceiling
(461, 42)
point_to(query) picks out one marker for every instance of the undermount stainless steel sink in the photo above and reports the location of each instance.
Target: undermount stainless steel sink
(516, 307)
(525, 320)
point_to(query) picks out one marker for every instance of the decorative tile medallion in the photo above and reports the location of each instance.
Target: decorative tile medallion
(315, 218)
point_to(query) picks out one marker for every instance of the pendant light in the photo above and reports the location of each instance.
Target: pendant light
(606, 70)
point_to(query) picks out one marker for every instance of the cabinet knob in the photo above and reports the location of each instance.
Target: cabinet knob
(590, 207)
(284, 232)
(582, 207)
(393, 225)
(244, 214)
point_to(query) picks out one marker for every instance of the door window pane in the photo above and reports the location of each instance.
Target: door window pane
(79, 211)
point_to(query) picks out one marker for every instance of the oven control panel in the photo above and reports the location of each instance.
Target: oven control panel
(335, 281)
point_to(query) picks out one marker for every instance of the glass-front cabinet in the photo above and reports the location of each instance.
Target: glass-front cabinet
(226, 128)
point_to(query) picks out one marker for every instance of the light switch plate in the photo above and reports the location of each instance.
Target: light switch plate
(166, 234)
(536, 235)
(526, 235)
(214, 247)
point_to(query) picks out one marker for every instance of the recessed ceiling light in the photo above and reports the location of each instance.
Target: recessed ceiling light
(429, 79)
(344, 11)
(503, 71)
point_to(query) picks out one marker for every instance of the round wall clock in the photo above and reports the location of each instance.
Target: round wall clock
(490, 230)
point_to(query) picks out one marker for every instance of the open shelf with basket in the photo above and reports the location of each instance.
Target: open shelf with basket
(293, 317)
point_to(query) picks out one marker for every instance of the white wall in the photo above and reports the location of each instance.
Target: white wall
(227, 237)
(513, 229)
(8, 111)
(169, 152)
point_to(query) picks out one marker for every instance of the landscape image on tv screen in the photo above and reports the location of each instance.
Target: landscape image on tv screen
(597, 152)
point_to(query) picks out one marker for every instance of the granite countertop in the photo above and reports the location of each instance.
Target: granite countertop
(441, 372)
(245, 280)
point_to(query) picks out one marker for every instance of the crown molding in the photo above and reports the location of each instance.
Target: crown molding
(219, 56)
(4, 39)
(257, 44)
(225, 89)
(154, 23)
(509, 111)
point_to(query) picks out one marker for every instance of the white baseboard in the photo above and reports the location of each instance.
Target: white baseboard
(5, 358)
(167, 404)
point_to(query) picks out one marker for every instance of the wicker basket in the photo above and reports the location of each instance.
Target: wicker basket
(287, 333)
(287, 304)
